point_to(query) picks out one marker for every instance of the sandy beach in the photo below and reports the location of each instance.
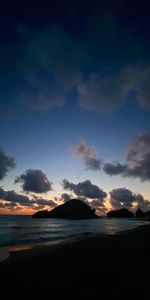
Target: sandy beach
(106, 267)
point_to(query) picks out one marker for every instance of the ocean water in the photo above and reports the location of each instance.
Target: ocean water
(23, 230)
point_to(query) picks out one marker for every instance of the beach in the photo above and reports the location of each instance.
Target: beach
(105, 267)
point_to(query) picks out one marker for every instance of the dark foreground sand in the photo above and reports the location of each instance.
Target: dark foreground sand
(107, 267)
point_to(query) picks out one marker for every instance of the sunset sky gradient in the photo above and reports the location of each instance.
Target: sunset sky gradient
(74, 104)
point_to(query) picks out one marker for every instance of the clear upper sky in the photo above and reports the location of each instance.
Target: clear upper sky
(74, 103)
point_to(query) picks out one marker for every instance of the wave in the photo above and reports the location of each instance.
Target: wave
(22, 230)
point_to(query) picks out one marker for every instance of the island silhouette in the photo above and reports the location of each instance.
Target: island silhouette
(76, 209)
(73, 209)
(120, 213)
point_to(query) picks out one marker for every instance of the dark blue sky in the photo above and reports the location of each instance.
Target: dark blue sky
(75, 75)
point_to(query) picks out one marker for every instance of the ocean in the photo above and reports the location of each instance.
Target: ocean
(24, 230)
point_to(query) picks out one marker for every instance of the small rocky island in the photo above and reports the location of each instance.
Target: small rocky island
(73, 209)
(120, 213)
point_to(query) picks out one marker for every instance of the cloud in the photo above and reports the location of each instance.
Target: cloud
(87, 155)
(100, 93)
(34, 181)
(48, 87)
(56, 59)
(109, 92)
(54, 62)
(51, 67)
(89, 193)
(12, 199)
(8, 205)
(139, 149)
(142, 203)
(43, 202)
(12, 196)
(2, 193)
(121, 197)
(137, 160)
(66, 197)
(85, 189)
(114, 169)
(6, 164)
(96, 204)
(42, 94)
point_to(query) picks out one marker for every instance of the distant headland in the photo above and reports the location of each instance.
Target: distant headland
(125, 213)
(77, 209)
(73, 209)
(120, 213)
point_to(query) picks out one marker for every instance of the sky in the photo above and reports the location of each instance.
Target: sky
(74, 104)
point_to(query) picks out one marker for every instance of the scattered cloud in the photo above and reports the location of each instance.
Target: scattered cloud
(34, 181)
(96, 204)
(51, 67)
(8, 205)
(114, 169)
(87, 155)
(43, 202)
(142, 203)
(109, 92)
(85, 189)
(137, 160)
(89, 193)
(121, 197)
(6, 163)
(12, 199)
(43, 94)
(55, 60)
(12, 196)
(66, 197)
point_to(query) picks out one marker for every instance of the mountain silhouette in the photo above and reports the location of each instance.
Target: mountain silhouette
(73, 209)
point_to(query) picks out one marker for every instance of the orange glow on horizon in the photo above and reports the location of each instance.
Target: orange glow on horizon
(108, 205)
(29, 211)
(20, 211)
(23, 211)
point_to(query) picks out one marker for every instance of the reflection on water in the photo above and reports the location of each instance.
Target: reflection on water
(23, 230)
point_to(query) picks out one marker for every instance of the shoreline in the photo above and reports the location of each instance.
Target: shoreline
(96, 267)
(16, 253)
